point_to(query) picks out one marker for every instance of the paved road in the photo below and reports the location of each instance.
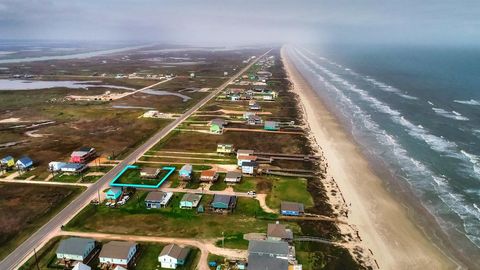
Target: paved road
(40, 237)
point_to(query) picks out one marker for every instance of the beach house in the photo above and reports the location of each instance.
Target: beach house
(243, 152)
(266, 254)
(279, 232)
(217, 125)
(190, 200)
(157, 199)
(224, 148)
(149, 173)
(233, 177)
(223, 203)
(7, 162)
(72, 168)
(24, 163)
(209, 176)
(271, 125)
(291, 209)
(81, 266)
(243, 158)
(82, 155)
(185, 172)
(249, 167)
(75, 249)
(172, 256)
(254, 120)
(113, 194)
(118, 253)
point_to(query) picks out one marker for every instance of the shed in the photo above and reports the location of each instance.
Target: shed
(24, 163)
(233, 177)
(75, 249)
(291, 209)
(172, 256)
(185, 172)
(118, 253)
(190, 200)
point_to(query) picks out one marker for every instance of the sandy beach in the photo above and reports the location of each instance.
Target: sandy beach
(382, 222)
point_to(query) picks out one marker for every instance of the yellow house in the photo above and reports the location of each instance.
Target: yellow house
(7, 161)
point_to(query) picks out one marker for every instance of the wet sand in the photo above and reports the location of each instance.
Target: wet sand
(382, 222)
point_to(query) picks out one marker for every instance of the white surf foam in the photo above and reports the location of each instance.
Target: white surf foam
(452, 115)
(468, 102)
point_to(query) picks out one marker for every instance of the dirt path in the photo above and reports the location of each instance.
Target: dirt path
(205, 246)
(262, 198)
(44, 182)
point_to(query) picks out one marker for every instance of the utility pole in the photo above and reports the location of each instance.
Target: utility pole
(36, 258)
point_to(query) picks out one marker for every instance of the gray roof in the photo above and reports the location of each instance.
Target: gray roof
(249, 164)
(275, 248)
(155, 196)
(175, 251)
(74, 245)
(225, 199)
(233, 174)
(292, 206)
(219, 122)
(150, 170)
(259, 262)
(191, 197)
(116, 249)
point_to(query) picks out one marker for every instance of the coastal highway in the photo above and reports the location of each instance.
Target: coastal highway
(52, 227)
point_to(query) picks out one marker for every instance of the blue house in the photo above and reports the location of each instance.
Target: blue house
(249, 167)
(24, 163)
(292, 209)
(114, 193)
(185, 172)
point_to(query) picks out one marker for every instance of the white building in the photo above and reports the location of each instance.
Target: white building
(118, 253)
(172, 256)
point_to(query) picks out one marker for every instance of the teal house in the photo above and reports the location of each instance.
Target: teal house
(271, 125)
(190, 200)
(185, 172)
(114, 193)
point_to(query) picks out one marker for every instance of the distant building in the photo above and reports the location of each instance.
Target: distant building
(254, 120)
(292, 209)
(217, 125)
(67, 167)
(24, 163)
(157, 199)
(172, 256)
(279, 232)
(249, 167)
(75, 249)
(113, 194)
(148, 172)
(190, 200)
(223, 203)
(233, 177)
(8, 162)
(271, 125)
(242, 159)
(224, 148)
(185, 172)
(82, 155)
(209, 176)
(243, 152)
(118, 253)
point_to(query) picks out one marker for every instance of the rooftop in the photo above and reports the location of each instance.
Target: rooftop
(292, 206)
(116, 249)
(275, 248)
(175, 251)
(74, 245)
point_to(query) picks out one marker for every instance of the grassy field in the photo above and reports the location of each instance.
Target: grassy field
(24, 208)
(172, 221)
(289, 189)
(132, 176)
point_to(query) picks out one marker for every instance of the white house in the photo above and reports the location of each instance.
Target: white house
(118, 253)
(75, 249)
(172, 256)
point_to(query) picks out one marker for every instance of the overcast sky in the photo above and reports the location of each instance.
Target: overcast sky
(229, 22)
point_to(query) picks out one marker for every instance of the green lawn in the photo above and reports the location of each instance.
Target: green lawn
(172, 221)
(91, 178)
(233, 240)
(215, 258)
(67, 178)
(289, 189)
(132, 176)
(25, 175)
(219, 184)
(247, 184)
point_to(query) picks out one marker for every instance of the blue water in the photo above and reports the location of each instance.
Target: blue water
(415, 111)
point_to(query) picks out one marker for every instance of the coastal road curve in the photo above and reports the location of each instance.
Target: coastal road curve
(25, 250)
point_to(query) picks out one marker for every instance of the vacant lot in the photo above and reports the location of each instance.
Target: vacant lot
(24, 208)
(289, 189)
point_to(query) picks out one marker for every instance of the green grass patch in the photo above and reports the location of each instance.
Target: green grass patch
(233, 240)
(289, 189)
(247, 184)
(67, 178)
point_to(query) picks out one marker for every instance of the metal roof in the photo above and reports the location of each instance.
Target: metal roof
(276, 248)
(175, 251)
(265, 262)
(116, 249)
(74, 245)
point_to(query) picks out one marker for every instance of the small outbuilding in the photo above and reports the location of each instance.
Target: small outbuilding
(224, 148)
(292, 209)
(271, 125)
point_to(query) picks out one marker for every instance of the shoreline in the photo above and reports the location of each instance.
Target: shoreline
(382, 223)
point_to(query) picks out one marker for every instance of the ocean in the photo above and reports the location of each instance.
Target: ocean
(415, 112)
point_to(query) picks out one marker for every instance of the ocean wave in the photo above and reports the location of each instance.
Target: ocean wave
(415, 171)
(468, 102)
(452, 115)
